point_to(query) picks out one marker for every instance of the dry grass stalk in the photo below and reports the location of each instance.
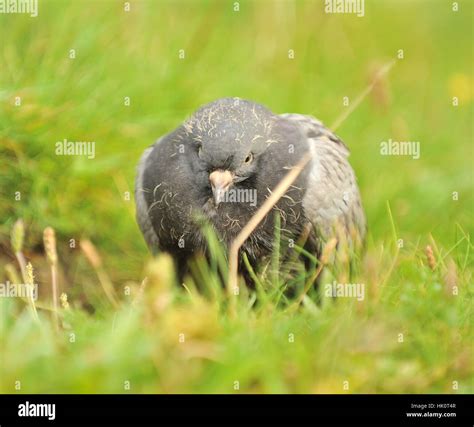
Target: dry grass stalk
(49, 240)
(95, 260)
(376, 78)
(17, 238)
(13, 277)
(18, 235)
(30, 281)
(380, 91)
(277, 193)
(328, 251)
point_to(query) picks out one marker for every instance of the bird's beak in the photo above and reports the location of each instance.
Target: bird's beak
(221, 181)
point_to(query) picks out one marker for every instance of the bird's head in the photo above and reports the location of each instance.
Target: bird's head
(229, 139)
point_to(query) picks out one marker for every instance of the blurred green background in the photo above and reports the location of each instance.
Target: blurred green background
(242, 53)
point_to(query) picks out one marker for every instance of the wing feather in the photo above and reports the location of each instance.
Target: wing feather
(332, 196)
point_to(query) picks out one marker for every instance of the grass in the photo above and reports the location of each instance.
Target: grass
(413, 331)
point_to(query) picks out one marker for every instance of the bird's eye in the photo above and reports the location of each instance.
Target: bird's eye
(249, 158)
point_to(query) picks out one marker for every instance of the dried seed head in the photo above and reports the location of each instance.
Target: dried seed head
(430, 257)
(91, 253)
(30, 277)
(49, 240)
(18, 235)
(64, 301)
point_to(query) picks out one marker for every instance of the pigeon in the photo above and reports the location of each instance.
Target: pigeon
(220, 165)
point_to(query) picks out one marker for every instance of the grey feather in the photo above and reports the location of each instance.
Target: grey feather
(332, 195)
(142, 214)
